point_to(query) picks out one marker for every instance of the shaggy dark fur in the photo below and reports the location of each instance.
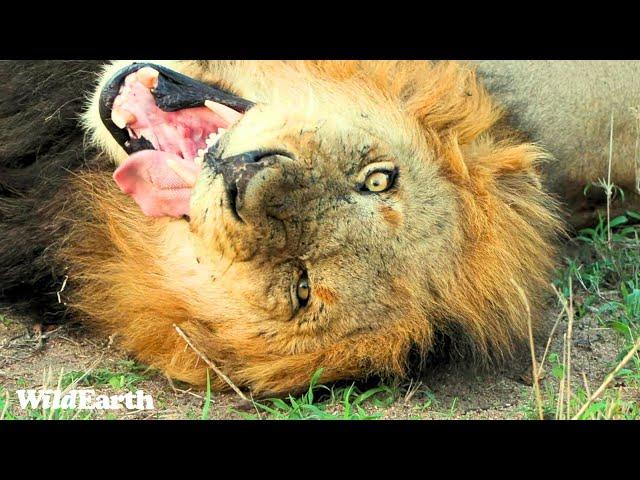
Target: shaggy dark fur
(41, 145)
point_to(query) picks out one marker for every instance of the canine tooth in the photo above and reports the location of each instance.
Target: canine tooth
(221, 131)
(148, 77)
(201, 152)
(227, 114)
(198, 161)
(122, 118)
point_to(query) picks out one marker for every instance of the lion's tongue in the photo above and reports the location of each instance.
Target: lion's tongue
(159, 182)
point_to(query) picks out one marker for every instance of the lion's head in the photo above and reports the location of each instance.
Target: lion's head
(348, 212)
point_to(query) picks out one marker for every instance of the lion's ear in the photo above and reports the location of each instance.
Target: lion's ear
(448, 100)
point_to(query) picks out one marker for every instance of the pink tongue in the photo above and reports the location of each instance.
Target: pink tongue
(157, 189)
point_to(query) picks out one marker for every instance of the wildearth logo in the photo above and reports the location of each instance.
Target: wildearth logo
(83, 400)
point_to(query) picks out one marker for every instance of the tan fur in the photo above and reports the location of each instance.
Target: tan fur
(468, 229)
(566, 106)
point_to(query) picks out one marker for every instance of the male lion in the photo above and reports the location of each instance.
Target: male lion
(286, 216)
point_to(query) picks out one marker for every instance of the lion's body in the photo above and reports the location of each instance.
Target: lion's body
(567, 107)
(463, 249)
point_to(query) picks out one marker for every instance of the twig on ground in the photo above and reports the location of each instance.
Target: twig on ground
(412, 390)
(218, 372)
(255, 406)
(177, 390)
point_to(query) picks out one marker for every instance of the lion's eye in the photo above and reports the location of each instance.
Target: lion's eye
(379, 181)
(303, 290)
(377, 177)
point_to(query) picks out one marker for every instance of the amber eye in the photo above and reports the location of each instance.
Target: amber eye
(379, 181)
(303, 290)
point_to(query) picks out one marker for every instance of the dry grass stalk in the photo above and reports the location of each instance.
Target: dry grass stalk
(535, 371)
(636, 114)
(211, 365)
(609, 378)
(612, 405)
(6, 405)
(565, 395)
(567, 369)
(586, 384)
(609, 188)
(560, 405)
(553, 331)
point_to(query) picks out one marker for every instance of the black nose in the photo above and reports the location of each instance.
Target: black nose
(238, 170)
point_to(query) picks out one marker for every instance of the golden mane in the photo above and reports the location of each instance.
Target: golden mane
(122, 276)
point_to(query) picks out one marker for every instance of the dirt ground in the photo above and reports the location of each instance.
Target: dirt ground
(30, 360)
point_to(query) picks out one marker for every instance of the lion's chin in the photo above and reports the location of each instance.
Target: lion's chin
(167, 122)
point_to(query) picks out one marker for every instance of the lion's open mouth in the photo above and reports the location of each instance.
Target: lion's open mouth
(166, 121)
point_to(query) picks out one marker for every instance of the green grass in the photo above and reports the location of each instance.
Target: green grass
(345, 402)
(327, 403)
(5, 320)
(603, 282)
(126, 375)
(207, 400)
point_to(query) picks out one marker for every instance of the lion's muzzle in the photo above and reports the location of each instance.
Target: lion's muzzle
(166, 122)
(251, 180)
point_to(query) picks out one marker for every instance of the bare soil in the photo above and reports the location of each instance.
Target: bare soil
(31, 359)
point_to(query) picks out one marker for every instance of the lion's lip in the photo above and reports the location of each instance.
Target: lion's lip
(174, 91)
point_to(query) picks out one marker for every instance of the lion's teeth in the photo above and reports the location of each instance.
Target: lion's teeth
(122, 118)
(201, 152)
(226, 113)
(148, 77)
(214, 137)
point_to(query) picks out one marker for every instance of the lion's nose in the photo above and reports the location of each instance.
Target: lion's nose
(239, 170)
